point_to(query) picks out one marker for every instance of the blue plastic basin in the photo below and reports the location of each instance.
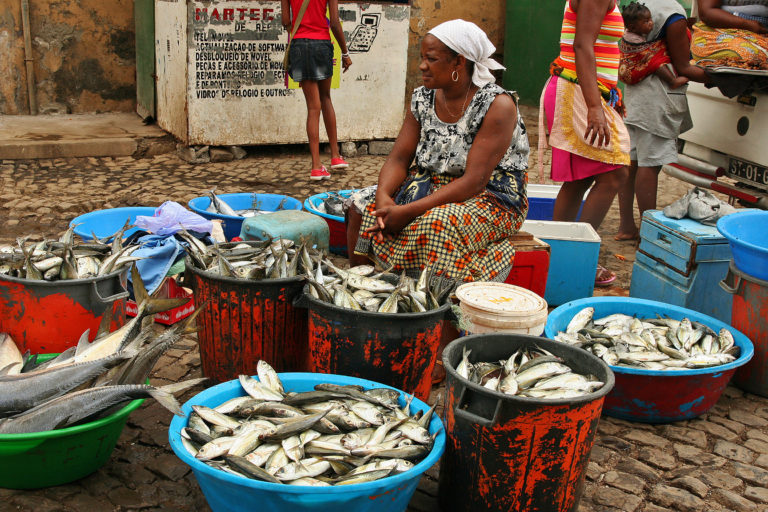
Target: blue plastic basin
(657, 396)
(104, 223)
(745, 231)
(336, 224)
(241, 201)
(232, 493)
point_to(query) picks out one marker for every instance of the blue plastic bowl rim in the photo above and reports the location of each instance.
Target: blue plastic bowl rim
(722, 226)
(311, 201)
(233, 194)
(675, 312)
(394, 481)
(95, 213)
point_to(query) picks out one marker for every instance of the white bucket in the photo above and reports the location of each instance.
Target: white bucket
(498, 307)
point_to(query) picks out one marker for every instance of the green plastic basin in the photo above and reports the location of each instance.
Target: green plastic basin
(45, 459)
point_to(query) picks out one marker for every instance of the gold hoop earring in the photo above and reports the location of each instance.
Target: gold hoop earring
(455, 76)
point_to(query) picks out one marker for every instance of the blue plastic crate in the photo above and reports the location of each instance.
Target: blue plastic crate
(575, 247)
(681, 262)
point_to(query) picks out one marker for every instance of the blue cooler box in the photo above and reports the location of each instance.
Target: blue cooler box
(681, 262)
(575, 247)
(541, 201)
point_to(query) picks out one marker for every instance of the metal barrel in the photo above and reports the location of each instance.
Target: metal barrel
(246, 321)
(51, 316)
(749, 314)
(515, 453)
(397, 349)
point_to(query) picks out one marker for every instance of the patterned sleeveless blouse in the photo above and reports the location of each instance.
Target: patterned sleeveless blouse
(443, 147)
(607, 54)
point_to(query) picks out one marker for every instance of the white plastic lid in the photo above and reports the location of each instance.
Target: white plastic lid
(500, 298)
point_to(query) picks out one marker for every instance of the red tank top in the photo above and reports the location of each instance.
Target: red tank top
(314, 24)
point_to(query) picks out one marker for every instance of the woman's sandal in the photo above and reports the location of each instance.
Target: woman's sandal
(438, 374)
(604, 277)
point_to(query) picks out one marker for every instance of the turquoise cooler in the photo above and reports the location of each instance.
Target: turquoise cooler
(681, 262)
(293, 225)
(574, 251)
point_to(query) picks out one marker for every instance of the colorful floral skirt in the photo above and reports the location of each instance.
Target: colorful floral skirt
(729, 47)
(467, 241)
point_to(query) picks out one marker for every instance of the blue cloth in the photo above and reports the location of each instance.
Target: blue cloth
(159, 253)
(670, 20)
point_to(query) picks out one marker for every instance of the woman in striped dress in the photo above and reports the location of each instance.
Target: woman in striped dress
(590, 144)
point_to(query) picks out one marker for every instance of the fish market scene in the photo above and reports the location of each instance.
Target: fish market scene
(384, 256)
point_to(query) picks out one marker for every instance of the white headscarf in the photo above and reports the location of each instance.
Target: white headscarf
(469, 40)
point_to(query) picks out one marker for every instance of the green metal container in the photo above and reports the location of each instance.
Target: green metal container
(55, 457)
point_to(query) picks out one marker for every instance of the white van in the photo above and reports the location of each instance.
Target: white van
(729, 138)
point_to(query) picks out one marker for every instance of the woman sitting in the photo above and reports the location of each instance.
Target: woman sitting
(456, 208)
(731, 33)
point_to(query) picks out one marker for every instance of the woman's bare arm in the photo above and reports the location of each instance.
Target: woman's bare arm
(488, 148)
(679, 49)
(710, 13)
(589, 18)
(338, 33)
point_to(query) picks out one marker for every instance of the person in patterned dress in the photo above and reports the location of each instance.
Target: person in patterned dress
(456, 207)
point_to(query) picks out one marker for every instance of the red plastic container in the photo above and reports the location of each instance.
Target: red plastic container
(531, 265)
(169, 289)
(750, 316)
(50, 316)
(246, 321)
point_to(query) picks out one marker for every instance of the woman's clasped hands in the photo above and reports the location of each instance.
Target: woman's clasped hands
(391, 218)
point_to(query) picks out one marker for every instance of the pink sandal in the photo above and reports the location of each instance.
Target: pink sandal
(603, 276)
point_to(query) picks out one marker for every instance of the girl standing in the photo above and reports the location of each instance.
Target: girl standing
(311, 64)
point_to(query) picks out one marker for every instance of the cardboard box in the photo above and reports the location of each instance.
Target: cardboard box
(169, 289)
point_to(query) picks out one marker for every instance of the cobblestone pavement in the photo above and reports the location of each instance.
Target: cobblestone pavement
(717, 462)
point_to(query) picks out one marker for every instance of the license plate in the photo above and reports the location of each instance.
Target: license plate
(748, 171)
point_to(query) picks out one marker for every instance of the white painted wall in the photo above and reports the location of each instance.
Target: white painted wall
(253, 106)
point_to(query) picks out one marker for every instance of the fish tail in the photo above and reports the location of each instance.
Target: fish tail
(139, 290)
(167, 400)
(157, 305)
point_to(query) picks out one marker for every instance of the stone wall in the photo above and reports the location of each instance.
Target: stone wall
(489, 15)
(84, 57)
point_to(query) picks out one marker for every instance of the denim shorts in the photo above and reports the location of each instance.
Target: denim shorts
(310, 59)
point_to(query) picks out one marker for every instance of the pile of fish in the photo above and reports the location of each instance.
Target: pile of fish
(333, 435)
(221, 207)
(356, 288)
(276, 259)
(91, 380)
(332, 204)
(532, 373)
(66, 258)
(649, 343)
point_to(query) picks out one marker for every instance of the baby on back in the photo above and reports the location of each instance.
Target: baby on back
(639, 58)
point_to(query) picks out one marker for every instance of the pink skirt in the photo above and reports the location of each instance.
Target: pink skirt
(567, 166)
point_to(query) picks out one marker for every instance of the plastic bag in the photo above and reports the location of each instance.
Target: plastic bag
(699, 205)
(170, 217)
